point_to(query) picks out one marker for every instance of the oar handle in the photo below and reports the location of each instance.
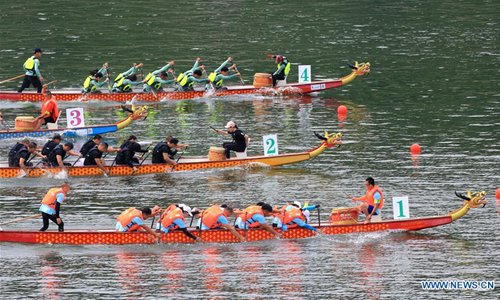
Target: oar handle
(20, 219)
(10, 79)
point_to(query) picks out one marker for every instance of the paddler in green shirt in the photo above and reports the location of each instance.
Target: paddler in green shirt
(222, 73)
(125, 85)
(93, 82)
(187, 79)
(118, 85)
(157, 78)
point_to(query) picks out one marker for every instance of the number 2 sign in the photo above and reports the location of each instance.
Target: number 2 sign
(75, 117)
(270, 144)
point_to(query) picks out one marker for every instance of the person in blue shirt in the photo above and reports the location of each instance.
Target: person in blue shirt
(255, 216)
(293, 216)
(51, 206)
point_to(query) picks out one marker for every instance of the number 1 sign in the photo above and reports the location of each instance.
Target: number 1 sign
(270, 144)
(75, 117)
(400, 207)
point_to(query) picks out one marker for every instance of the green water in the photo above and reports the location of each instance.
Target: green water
(434, 81)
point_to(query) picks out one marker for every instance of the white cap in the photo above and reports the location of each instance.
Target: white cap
(186, 209)
(298, 204)
(307, 214)
(230, 124)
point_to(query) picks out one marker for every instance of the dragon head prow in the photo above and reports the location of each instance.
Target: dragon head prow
(361, 69)
(139, 112)
(330, 139)
(473, 199)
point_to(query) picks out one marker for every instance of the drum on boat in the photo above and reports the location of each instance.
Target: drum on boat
(344, 216)
(217, 153)
(262, 80)
(25, 123)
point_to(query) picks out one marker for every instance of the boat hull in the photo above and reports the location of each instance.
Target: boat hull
(211, 236)
(85, 131)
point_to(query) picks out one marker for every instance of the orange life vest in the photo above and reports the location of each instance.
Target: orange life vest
(127, 216)
(54, 113)
(292, 214)
(210, 215)
(170, 215)
(249, 212)
(51, 197)
(369, 197)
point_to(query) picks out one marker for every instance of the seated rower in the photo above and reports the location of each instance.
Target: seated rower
(132, 219)
(22, 157)
(292, 215)
(94, 157)
(15, 149)
(240, 140)
(174, 218)
(134, 70)
(154, 82)
(216, 217)
(51, 144)
(96, 140)
(188, 81)
(218, 76)
(51, 206)
(125, 84)
(126, 154)
(93, 82)
(283, 68)
(373, 200)
(255, 216)
(58, 154)
(50, 110)
(164, 152)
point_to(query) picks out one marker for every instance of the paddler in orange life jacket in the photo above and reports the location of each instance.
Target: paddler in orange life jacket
(174, 217)
(51, 206)
(216, 217)
(254, 216)
(132, 219)
(50, 110)
(373, 200)
(292, 215)
(283, 68)
(32, 75)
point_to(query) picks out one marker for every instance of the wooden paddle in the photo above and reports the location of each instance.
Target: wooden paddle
(241, 79)
(52, 82)
(10, 79)
(21, 219)
(177, 161)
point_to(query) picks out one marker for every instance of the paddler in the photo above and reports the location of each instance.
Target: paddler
(96, 140)
(93, 82)
(132, 219)
(58, 154)
(187, 79)
(155, 82)
(50, 110)
(164, 152)
(13, 151)
(240, 139)
(218, 76)
(126, 154)
(22, 157)
(373, 200)
(94, 157)
(51, 206)
(216, 217)
(255, 216)
(51, 144)
(124, 81)
(292, 215)
(32, 75)
(283, 68)
(174, 217)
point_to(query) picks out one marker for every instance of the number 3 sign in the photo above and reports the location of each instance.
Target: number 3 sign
(270, 144)
(75, 117)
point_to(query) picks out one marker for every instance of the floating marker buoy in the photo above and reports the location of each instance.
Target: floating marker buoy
(415, 149)
(497, 194)
(342, 110)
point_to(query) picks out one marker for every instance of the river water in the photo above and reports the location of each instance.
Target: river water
(434, 81)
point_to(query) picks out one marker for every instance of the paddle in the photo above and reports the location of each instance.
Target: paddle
(319, 217)
(53, 81)
(213, 129)
(20, 219)
(177, 161)
(10, 79)
(143, 160)
(241, 79)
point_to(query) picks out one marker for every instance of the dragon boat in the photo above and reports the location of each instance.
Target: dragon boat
(184, 163)
(106, 237)
(135, 114)
(359, 69)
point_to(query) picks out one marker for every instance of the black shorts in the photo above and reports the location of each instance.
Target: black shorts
(48, 120)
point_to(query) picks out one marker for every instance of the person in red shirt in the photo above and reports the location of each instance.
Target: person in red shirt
(50, 110)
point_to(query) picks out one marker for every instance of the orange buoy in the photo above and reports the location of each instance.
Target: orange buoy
(342, 110)
(497, 194)
(415, 149)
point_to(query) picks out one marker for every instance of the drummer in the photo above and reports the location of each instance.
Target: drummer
(50, 110)
(372, 201)
(240, 139)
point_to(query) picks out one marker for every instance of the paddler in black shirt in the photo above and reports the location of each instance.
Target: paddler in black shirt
(90, 144)
(240, 140)
(51, 144)
(94, 157)
(57, 156)
(22, 157)
(14, 150)
(126, 154)
(164, 152)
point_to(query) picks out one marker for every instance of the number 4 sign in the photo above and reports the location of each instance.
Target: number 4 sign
(304, 73)
(270, 144)
(75, 117)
